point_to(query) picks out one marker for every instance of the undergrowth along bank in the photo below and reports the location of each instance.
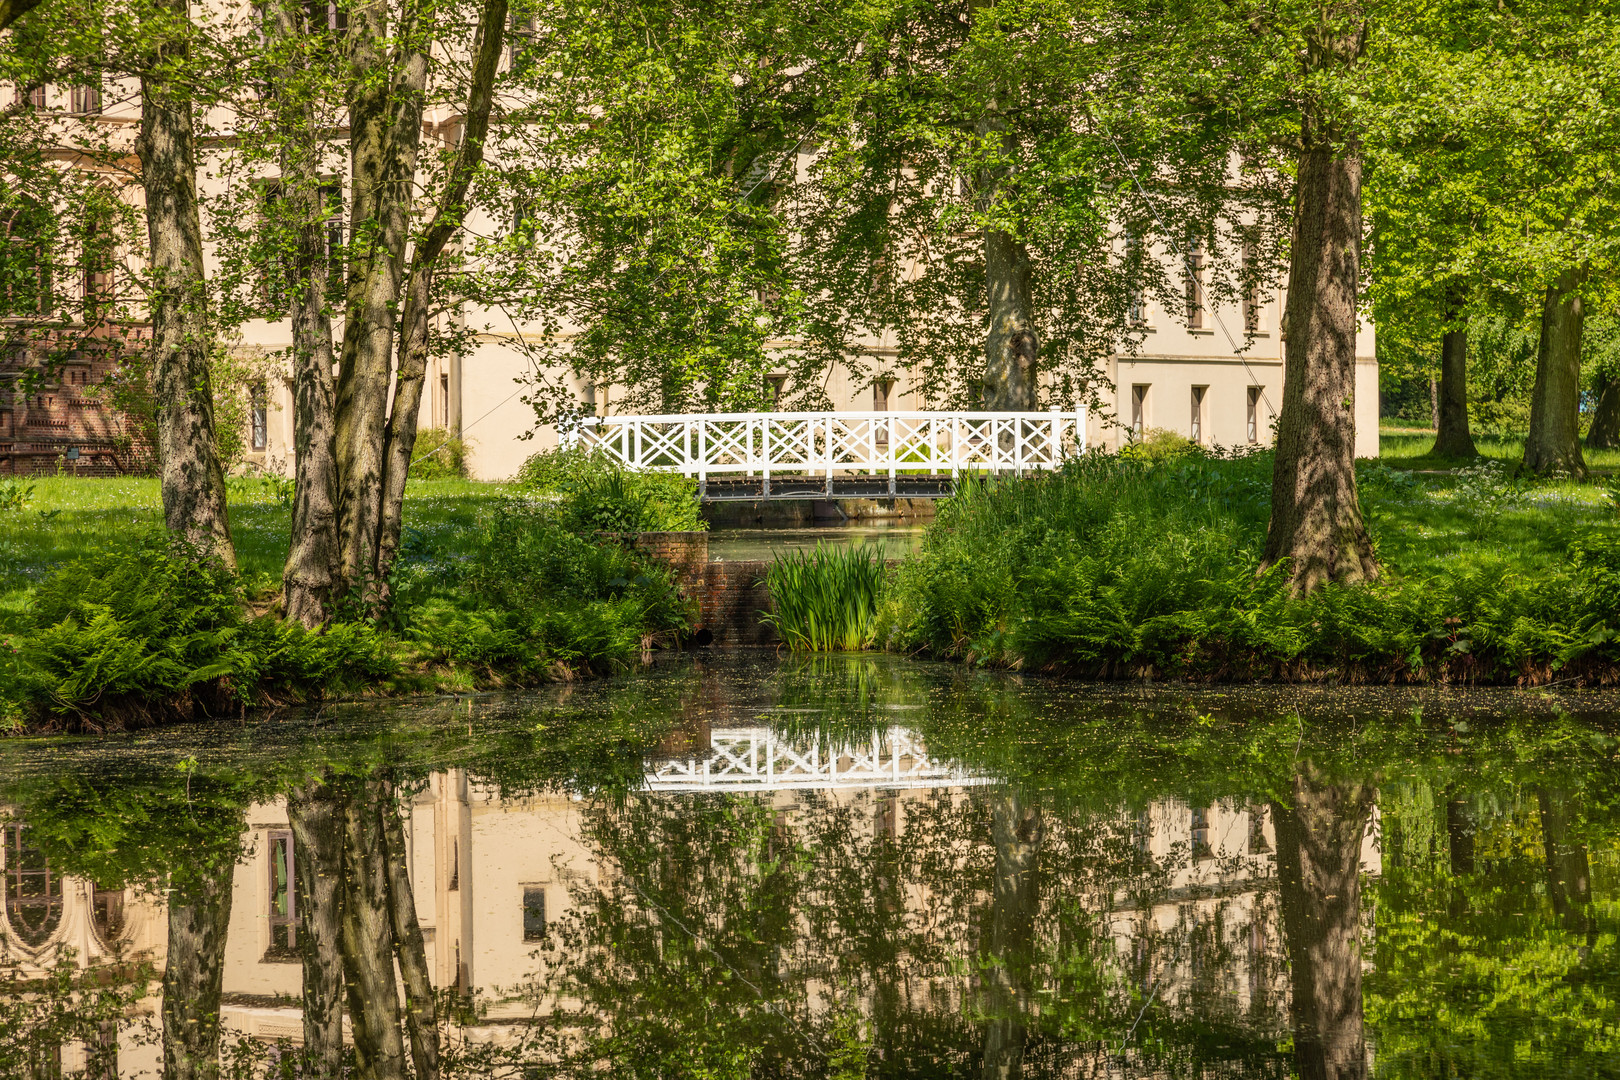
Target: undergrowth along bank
(528, 590)
(826, 599)
(1127, 567)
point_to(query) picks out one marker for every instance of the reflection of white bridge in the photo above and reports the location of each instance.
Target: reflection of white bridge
(824, 455)
(757, 759)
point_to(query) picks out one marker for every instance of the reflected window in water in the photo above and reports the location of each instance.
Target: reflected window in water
(1201, 847)
(107, 913)
(534, 913)
(33, 889)
(283, 944)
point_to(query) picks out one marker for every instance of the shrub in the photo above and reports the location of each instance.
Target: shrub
(826, 600)
(1158, 444)
(438, 455)
(15, 494)
(598, 494)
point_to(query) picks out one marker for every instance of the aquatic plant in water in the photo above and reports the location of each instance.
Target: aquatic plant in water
(826, 599)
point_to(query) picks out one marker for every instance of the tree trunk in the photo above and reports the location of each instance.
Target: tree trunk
(194, 974)
(1554, 445)
(1569, 876)
(421, 1013)
(1017, 831)
(1452, 437)
(315, 813)
(1315, 512)
(192, 481)
(400, 441)
(311, 571)
(1604, 434)
(1319, 840)
(386, 101)
(368, 939)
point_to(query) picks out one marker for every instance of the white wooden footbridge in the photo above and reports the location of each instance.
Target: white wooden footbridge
(830, 455)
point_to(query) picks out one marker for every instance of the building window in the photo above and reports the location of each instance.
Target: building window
(521, 51)
(259, 415)
(880, 394)
(534, 913)
(1195, 285)
(328, 15)
(774, 385)
(33, 888)
(1196, 428)
(444, 401)
(1258, 844)
(32, 97)
(1135, 312)
(85, 100)
(283, 899)
(1139, 393)
(1201, 846)
(1251, 291)
(1253, 414)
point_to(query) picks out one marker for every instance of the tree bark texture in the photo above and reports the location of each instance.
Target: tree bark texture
(1604, 434)
(388, 75)
(315, 813)
(1452, 437)
(1554, 444)
(1319, 838)
(311, 572)
(368, 938)
(1017, 831)
(421, 1012)
(192, 481)
(194, 974)
(416, 323)
(1315, 511)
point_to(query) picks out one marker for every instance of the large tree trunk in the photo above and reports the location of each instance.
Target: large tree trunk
(421, 1014)
(1315, 512)
(1604, 434)
(311, 571)
(194, 974)
(416, 324)
(368, 938)
(1319, 838)
(315, 813)
(1017, 831)
(193, 483)
(385, 127)
(1554, 445)
(1452, 437)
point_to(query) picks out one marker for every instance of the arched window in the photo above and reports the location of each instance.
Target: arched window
(25, 260)
(33, 889)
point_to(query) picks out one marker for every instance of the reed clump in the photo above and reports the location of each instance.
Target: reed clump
(826, 599)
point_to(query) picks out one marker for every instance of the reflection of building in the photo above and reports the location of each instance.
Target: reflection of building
(1186, 893)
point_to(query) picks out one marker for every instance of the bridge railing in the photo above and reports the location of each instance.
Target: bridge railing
(702, 445)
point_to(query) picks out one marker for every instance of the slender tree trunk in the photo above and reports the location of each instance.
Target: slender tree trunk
(1434, 403)
(1604, 434)
(1452, 437)
(315, 812)
(400, 442)
(193, 483)
(1315, 511)
(311, 571)
(1554, 445)
(194, 974)
(1319, 837)
(1017, 831)
(1569, 876)
(386, 101)
(421, 1013)
(368, 939)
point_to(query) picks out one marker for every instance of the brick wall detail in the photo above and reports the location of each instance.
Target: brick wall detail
(729, 595)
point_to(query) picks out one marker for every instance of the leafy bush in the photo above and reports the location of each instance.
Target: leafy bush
(826, 600)
(1121, 566)
(1158, 444)
(156, 628)
(439, 455)
(15, 494)
(598, 494)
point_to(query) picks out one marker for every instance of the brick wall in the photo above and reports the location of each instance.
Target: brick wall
(729, 595)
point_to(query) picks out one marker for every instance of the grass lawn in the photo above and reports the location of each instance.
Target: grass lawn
(1408, 448)
(69, 517)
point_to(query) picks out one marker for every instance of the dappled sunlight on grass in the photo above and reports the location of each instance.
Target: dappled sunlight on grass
(1408, 448)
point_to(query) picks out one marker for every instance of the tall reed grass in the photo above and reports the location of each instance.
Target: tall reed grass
(826, 599)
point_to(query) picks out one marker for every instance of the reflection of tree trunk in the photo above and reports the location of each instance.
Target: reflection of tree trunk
(315, 813)
(1016, 830)
(420, 1013)
(1569, 880)
(1460, 834)
(193, 974)
(368, 940)
(1319, 841)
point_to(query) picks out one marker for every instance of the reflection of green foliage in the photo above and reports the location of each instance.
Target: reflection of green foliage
(42, 1011)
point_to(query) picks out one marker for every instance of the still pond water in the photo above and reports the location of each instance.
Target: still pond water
(840, 867)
